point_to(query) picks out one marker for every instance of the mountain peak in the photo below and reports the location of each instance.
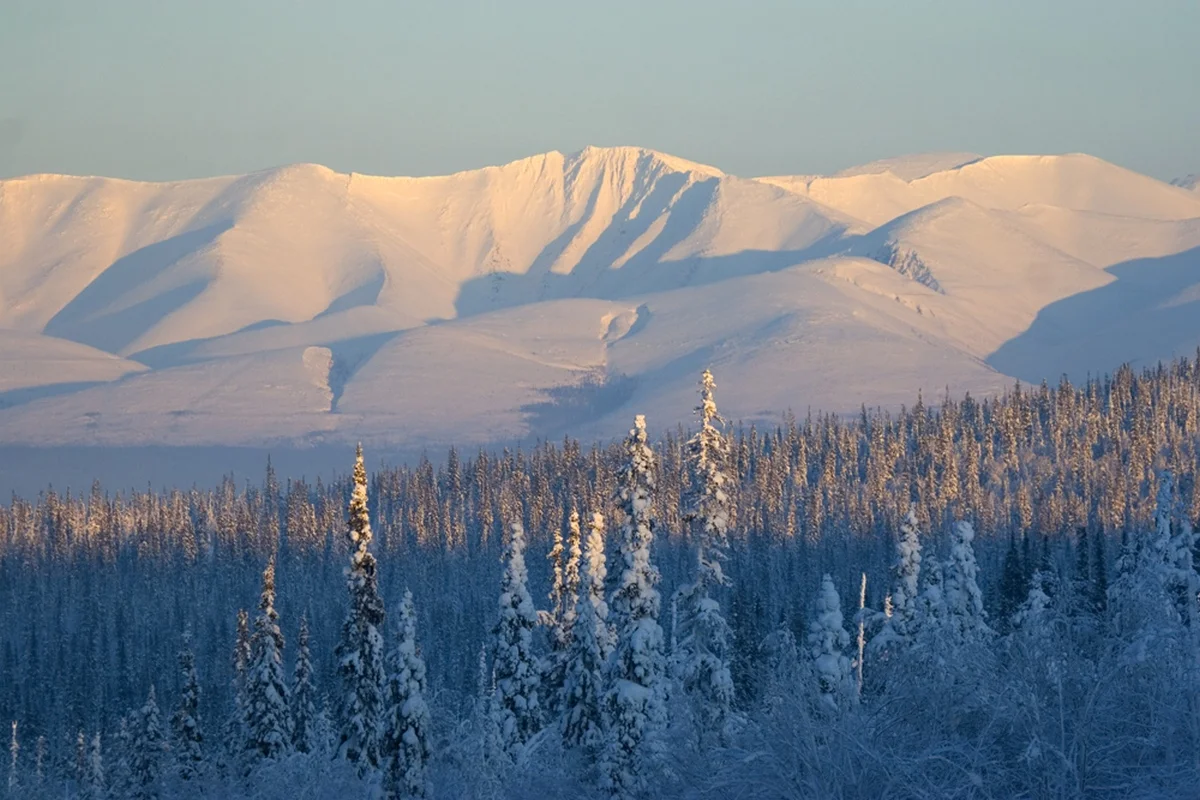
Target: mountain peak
(641, 156)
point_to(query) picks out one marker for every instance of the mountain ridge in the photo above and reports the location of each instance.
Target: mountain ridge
(357, 305)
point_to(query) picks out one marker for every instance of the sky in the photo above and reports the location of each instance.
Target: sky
(163, 90)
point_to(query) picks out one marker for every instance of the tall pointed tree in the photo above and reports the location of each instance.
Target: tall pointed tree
(702, 658)
(407, 729)
(899, 620)
(188, 734)
(516, 707)
(93, 783)
(234, 732)
(268, 721)
(591, 644)
(360, 653)
(964, 599)
(304, 695)
(564, 594)
(827, 642)
(635, 700)
(147, 750)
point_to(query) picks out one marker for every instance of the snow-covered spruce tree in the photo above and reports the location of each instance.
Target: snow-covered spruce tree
(560, 619)
(93, 785)
(407, 726)
(515, 668)
(1030, 616)
(147, 749)
(701, 660)
(14, 760)
(827, 641)
(1145, 599)
(907, 574)
(360, 653)
(120, 779)
(1181, 579)
(268, 721)
(234, 733)
(964, 601)
(591, 644)
(304, 695)
(185, 724)
(636, 694)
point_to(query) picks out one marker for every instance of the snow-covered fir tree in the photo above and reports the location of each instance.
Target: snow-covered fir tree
(120, 778)
(826, 642)
(93, 783)
(701, 652)
(148, 749)
(516, 670)
(963, 597)
(591, 644)
(635, 700)
(188, 741)
(234, 734)
(1149, 598)
(304, 695)
(1181, 579)
(14, 761)
(564, 593)
(1031, 614)
(360, 653)
(906, 577)
(268, 721)
(406, 745)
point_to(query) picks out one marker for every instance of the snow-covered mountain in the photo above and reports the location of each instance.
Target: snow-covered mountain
(299, 306)
(1191, 182)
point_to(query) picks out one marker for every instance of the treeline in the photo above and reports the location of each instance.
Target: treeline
(1061, 484)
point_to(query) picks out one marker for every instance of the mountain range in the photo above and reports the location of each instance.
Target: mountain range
(562, 293)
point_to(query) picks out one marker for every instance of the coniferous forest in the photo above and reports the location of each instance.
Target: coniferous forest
(967, 598)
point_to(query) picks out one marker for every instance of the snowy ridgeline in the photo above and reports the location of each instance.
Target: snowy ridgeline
(990, 599)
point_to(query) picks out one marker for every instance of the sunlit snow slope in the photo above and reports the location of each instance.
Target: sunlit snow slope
(562, 293)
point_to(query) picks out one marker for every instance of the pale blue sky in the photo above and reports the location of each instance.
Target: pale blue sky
(179, 88)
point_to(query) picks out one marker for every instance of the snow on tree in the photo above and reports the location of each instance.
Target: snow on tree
(564, 594)
(591, 644)
(121, 778)
(39, 760)
(407, 726)
(14, 755)
(304, 703)
(92, 783)
(963, 598)
(1031, 614)
(268, 718)
(701, 660)
(185, 724)
(234, 733)
(516, 670)
(1153, 594)
(1181, 579)
(360, 653)
(826, 642)
(635, 700)
(147, 749)
(903, 611)
(907, 573)
(781, 656)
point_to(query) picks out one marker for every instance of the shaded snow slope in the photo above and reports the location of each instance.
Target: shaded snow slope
(563, 292)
